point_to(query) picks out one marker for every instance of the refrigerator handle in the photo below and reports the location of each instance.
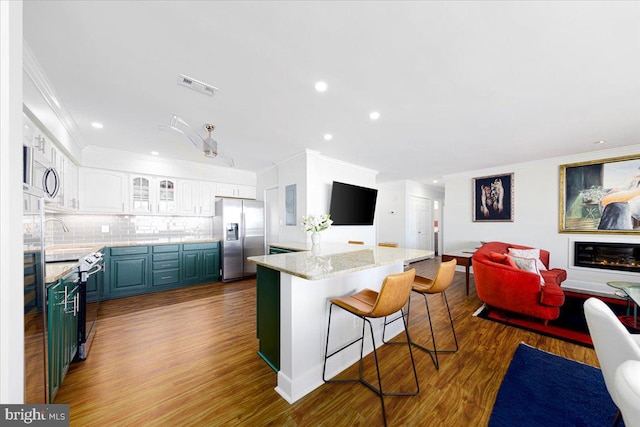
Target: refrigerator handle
(243, 229)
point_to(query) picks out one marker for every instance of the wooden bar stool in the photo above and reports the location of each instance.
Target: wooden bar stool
(425, 286)
(367, 304)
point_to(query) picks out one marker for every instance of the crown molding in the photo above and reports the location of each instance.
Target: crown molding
(35, 72)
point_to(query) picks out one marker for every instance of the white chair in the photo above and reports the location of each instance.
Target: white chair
(614, 345)
(627, 385)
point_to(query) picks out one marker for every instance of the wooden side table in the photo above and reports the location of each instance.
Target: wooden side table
(462, 257)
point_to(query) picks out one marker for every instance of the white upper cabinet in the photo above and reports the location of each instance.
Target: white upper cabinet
(140, 194)
(70, 182)
(236, 190)
(47, 155)
(196, 197)
(207, 198)
(103, 191)
(152, 195)
(166, 200)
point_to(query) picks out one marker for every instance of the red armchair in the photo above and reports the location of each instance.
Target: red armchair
(501, 285)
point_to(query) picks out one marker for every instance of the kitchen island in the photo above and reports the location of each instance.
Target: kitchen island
(293, 293)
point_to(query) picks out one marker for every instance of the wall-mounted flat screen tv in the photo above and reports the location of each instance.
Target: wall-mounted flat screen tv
(352, 205)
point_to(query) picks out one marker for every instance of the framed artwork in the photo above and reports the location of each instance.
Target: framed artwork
(493, 198)
(601, 196)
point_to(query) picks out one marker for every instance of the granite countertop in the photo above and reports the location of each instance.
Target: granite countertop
(55, 271)
(334, 259)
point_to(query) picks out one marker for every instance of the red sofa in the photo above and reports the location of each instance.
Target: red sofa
(506, 287)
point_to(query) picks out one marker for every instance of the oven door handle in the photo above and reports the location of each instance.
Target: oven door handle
(93, 270)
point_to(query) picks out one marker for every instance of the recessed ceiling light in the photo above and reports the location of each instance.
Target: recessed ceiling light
(374, 115)
(435, 181)
(97, 125)
(321, 86)
(600, 142)
(155, 153)
(328, 137)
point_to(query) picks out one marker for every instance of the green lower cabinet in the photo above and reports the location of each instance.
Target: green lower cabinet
(134, 270)
(191, 266)
(268, 315)
(128, 275)
(200, 263)
(63, 301)
(211, 265)
(165, 268)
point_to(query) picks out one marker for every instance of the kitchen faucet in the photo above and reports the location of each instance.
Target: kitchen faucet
(64, 226)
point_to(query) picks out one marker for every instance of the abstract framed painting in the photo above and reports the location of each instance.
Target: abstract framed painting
(493, 198)
(601, 196)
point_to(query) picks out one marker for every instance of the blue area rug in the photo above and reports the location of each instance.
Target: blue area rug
(544, 389)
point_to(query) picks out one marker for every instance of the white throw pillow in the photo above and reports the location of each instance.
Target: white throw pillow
(528, 264)
(528, 253)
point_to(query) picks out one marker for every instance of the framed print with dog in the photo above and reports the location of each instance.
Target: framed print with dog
(493, 198)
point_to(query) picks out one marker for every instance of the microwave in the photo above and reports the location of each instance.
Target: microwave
(39, 174)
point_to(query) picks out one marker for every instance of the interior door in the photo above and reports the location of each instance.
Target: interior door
(253, 211)
(420, 224)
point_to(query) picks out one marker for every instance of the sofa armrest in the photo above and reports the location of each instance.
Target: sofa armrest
(552, 295)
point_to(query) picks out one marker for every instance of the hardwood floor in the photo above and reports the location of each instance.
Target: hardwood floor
(188, 358)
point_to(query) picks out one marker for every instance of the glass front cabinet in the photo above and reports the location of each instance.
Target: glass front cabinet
(152, 195)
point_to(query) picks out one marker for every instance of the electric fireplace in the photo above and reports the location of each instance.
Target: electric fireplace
(610, 256)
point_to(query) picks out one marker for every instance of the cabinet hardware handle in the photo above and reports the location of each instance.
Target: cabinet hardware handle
(165, 277)
(64, 301)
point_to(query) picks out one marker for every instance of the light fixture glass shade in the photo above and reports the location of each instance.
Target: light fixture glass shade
(210, 147)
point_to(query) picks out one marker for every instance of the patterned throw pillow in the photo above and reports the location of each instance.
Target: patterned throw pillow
(528, 264)
(528, 253)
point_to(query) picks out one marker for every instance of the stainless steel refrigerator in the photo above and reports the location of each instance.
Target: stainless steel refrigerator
(239, 224)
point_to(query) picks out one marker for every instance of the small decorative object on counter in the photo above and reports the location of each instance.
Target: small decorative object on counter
(315, 225)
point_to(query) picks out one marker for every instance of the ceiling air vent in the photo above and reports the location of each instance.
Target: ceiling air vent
(196, 85)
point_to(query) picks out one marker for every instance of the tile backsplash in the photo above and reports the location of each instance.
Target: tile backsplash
(85, 229)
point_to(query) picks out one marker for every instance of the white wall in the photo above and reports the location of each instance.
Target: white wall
(393, 208)
(11, 262)
(536, 207)
(313, 175)
(293, 171)
(391, 212)
(322, 171)
(266, 179)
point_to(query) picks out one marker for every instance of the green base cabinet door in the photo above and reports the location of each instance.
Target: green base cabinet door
(200, 263)
(63, 303)
(211, 265)
(268, 315)
(128, 272)
(191, 266)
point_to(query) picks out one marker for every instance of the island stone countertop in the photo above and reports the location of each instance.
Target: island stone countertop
(334, 259)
